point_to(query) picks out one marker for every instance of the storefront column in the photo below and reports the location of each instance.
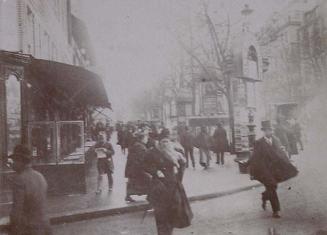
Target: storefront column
(3, 150)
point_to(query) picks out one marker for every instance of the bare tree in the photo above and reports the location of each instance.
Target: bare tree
(215, 61)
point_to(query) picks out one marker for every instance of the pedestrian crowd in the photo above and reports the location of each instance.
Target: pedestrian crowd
(156, 161)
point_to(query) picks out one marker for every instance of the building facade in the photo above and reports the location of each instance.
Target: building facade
(294, 41)
(46, 30)
(47, 91)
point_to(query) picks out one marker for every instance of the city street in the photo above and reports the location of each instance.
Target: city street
(304, 210)
(109, 108)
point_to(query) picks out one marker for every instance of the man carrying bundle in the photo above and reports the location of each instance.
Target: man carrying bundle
(270, 165)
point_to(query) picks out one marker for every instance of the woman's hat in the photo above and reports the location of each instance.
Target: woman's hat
(21, 153)
(266, 125)
(165, 133)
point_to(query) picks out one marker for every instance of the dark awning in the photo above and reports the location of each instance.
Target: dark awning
(67, 83)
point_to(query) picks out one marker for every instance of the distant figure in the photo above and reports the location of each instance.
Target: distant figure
(270, 165)
(99, 128)
(187, 141)
(220, 143)
(28, 215)
(121, 138)
(203, 141)
(298, 133)
(291, 138)
(105, 164)
(281, 133)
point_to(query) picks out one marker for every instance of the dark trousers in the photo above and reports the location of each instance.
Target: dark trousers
(221, 158)
(270, 194)
(110, 179)
(162, 215)
(206, 161)
(189, 153)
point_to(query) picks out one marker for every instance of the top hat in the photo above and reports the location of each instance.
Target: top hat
(266, 125)
(21, 153)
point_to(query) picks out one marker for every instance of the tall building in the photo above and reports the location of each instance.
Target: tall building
(293, 40)
(47, 91)
(46, 30)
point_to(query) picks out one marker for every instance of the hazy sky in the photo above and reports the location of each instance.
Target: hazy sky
(134, 39)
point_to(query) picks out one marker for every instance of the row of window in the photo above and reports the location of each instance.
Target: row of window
(38, 41)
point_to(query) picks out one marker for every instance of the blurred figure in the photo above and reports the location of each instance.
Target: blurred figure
(121, 138)
(138, 182)
(270, 166)
(220, 143)
(187, 139)
(298, 133)
(99, 128)
(28, 215)
(204, 143)
(129, 137)
(291, 138)
(281, 133)
(105, 164)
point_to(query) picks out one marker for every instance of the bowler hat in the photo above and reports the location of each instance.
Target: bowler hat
(266, 125)
(21, 153)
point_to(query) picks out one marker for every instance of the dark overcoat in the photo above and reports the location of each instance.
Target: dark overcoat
(135, 160)
(281, 133)
(187, 139)
(138, 182)
(269, 164)
(28, 215)
(203, 141)
(220, 142)
(167, 194)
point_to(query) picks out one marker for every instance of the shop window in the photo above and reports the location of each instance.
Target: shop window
(13, 111)
(56, 142)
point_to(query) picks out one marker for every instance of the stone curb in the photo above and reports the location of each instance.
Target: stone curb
(97, 213)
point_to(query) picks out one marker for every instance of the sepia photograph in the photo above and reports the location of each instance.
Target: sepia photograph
(163, 117)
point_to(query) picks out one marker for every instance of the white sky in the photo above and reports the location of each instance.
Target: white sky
(133, 39)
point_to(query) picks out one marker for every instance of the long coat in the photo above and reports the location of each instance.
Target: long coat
(220, 142)
(138, 182)
(28, 215)
(269, 163)
(203, 141)
(281, 133)
(187, 139)
(167, 194)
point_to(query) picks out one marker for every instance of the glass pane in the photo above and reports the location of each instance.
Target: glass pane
(13, 96)
(43, 143)
(71, 141)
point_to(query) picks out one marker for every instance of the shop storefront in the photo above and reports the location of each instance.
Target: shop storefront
(45, 105)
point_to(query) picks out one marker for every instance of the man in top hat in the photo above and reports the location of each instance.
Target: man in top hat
(28, 215)
(270, 165)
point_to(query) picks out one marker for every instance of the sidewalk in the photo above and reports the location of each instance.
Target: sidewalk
(199, 185)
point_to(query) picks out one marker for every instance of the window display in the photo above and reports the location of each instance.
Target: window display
(57, 142)
(13, 96)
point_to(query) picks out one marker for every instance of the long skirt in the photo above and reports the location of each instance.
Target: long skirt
(138, 186)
